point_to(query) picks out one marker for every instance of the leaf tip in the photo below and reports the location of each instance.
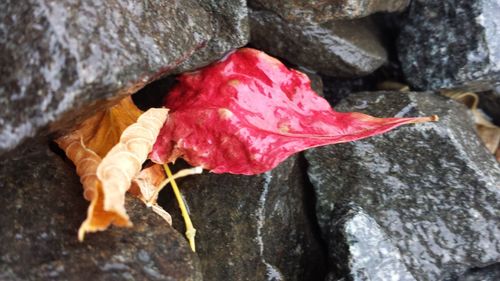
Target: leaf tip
(81, 234)
(432, 118)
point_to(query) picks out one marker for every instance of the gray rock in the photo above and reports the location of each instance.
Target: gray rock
(62, 60)
(326, 10)
(41, 208)
(335, 48)
(337, 89)
(356, 236)
(316, 80)
(451, 44)
(230, 30)
(426, 194)
(253, 227)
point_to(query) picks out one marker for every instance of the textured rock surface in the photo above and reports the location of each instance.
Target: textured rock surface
(252, 227)
(41, 208)
(230, 30)
(61, 58)
(326, 10)
(352, 237)
(423, 198)
(336, 48)
(451, 44)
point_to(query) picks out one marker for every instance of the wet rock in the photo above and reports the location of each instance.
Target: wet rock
(388, 76)
(335, 48)
(316, 80)
(230, 30)
(356, 236)
(337, 89)
(252, 227)
(451, 44)
(63, 60)
(419, 202)
(326, 10)
(41, 208)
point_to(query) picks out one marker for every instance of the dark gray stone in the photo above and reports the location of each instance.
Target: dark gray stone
(337, 89)
(316, 80)
(326, 10)
(62, 60)
(253, 227)
(230, 30)
(41, 208)
(418, 202)
(335, 48)
(356, 236)
(451, 44)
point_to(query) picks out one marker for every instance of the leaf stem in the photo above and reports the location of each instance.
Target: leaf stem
(190, 230)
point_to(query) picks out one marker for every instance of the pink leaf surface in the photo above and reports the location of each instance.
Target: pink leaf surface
(248, 112)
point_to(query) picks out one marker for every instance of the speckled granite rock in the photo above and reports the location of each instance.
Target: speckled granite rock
(253, 227)
(336, 48)
(451, 44)
(63, 59)
(326, 10)
(41, 208)
(419, 202)
(362, 249)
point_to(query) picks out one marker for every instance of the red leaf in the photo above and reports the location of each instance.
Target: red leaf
(247, 113)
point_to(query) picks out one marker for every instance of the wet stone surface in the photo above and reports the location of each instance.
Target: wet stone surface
(316, 81)
(41, 209)
(326, 10)
(424, 198)
(356, 236)
(336, 48)
(451, 44)
(61, 60)
(252, 227)
(230, 30)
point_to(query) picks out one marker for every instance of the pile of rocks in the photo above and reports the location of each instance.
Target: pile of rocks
(418, 203)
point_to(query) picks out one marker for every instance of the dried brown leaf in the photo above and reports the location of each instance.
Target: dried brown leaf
(393, 86)
(151, 180)
(488, 132)
(124, 161)
(108, 150)
(490, 136)
(102, 131)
